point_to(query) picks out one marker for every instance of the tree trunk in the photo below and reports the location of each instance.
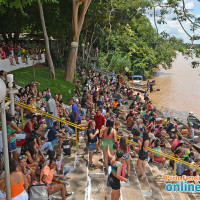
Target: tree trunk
(71, 64)
(46, 39)
(77, 23)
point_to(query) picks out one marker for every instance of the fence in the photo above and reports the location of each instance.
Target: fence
(22, 105)
(166, 156)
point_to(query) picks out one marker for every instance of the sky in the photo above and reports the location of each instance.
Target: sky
(173, 27)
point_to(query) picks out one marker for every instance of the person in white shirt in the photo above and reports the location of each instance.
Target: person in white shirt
(51, 109)
(152, 134)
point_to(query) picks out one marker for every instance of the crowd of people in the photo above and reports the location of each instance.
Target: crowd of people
(98, 107)
(24, 50)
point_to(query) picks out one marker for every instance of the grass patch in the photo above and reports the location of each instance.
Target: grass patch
(25, 76)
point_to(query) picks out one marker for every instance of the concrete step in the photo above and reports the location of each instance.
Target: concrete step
(98, 170)
(161, 183)
(99, 189)
(144, 184)
(177, 195)
(77, 177)
(134, 191)
(97, 185)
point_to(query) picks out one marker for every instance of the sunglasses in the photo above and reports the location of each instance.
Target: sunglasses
(21, 157)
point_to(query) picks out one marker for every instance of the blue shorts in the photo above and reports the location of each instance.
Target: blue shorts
(54, 142)
(70, 131)
(29, 116)
(12, 146)
(92, 146)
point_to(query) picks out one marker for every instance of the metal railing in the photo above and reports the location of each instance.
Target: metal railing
(22, 105)
(76, 127)
(166, 156)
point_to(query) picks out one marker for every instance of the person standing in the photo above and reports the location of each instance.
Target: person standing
(109, 136)
(76, 117)
(143, 154)
(92, 139)
(12, 129)
(51, 109)
(115, 175)
(100, 121)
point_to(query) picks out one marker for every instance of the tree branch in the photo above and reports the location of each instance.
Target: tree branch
(79, 2)
(176, 11)
(185, 14)
(82, 15)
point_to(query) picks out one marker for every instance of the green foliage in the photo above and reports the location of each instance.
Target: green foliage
(24, 77)
(127, 39)
(120, 29)
(117, 62)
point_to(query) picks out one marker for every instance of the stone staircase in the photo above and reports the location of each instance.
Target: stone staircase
(91, 184)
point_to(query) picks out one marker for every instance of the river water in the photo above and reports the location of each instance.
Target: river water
(179, 89)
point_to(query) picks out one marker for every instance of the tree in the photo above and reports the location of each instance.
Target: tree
(77, 24)
(46, 39)
(181, 14)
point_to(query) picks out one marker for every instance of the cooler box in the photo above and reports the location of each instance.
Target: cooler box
(20, 139)
(67, 147)
(184, 131)
(158, 120)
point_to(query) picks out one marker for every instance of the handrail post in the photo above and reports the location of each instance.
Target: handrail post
(5, 151)
(76, 139)
(22, 117)
(174, 169)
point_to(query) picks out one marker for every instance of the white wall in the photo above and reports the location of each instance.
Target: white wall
(5, 64)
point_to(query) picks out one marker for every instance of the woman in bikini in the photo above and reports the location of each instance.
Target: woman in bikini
(115, 175)
(109, 137)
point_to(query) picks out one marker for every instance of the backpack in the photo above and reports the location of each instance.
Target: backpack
(38, 192)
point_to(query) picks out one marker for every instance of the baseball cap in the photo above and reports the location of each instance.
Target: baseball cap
(56, 124)
(48, 96)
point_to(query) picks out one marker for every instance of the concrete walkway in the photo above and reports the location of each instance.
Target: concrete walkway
(5, 64)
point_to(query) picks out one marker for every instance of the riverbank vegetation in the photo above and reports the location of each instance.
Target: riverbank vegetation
(118, 31)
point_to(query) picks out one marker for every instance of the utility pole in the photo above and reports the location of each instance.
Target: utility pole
(5, 140)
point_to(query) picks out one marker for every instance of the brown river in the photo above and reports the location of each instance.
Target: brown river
(179, 89)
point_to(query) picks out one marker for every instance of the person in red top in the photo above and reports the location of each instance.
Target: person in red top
(29, 127)
(150, 107)
(100, 121)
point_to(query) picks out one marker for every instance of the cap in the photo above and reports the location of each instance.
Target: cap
(131, 135)
(7, 108)
(48, 96)
(56, 124)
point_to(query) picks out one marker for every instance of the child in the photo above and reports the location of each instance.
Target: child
(60, 169)
(28, 172)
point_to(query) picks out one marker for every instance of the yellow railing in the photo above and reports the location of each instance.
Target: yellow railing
(47, 115)
(166, 156)
(77, 127)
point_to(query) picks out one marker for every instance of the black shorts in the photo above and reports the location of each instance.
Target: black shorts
(143, 155)
(114, 182)
(94, 99)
